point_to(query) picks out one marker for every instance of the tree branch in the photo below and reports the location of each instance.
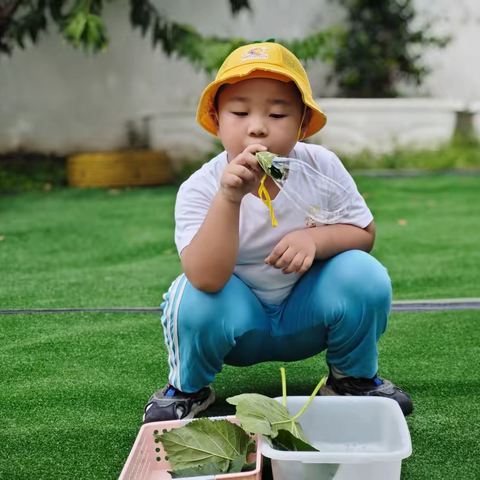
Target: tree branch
(7, 11)
(238, 5)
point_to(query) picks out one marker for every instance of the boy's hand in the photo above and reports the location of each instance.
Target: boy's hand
(242, 175)
(294, 253)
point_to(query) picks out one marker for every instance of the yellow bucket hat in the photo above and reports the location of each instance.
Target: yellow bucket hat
(260, 60)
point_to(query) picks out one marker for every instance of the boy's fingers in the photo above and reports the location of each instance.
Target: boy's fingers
(249, 161)
(286, 259)
(277, 252)
(247, 157)
(307, 263)
(295, 264)
(253, 149)
(243, 172)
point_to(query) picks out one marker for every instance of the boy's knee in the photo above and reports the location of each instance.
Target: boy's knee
(363, 277)
(221, 312)
(201, 311)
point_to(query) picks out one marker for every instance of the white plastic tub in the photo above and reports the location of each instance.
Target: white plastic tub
(359, 438)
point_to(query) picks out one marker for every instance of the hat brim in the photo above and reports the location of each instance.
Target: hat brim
(243, 72)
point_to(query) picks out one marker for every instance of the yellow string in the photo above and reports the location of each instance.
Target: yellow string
(262, 190)
(301, 122)
(265, 197)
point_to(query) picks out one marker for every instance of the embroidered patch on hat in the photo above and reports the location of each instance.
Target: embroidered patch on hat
(256, 52)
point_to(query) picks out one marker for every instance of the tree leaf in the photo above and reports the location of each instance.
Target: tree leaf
(257, 412)
(285, 440)
(266, 161)
(251, 446)
(293, 427)
(209, 468)
(204, 441)
(237, 464)
(254, 422)
(249, 467)
(237, 5)
(263, 415)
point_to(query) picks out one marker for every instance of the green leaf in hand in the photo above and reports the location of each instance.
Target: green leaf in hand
(204, 441)
(265, 159)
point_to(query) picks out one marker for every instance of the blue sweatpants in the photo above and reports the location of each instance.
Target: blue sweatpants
(340, 305)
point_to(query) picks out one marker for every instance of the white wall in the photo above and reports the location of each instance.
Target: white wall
(456, 69)
(55, 99)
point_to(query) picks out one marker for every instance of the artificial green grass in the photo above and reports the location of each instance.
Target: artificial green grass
(73, 387)
(87, 248)
(436, 254)
(92, 248)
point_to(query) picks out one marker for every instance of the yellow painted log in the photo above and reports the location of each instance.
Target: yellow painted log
(119, 169)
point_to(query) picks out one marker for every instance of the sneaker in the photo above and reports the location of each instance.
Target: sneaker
(376, 387)
(172, 404)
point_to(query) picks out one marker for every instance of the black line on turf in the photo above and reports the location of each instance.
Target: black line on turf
(396, 307)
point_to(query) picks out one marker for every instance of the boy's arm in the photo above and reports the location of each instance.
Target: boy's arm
(210, 258)
(331, 240)
(297, 250)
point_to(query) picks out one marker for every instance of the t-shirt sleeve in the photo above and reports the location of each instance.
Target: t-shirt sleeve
(356, 212)
(191, 207)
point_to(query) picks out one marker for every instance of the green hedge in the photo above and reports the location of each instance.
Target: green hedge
(29, 171)
(458, 155)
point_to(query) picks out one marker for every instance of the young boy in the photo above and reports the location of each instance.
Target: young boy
(252, 292)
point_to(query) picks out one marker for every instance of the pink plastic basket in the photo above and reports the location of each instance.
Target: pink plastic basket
(147, 458)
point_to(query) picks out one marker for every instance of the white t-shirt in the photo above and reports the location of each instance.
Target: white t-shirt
(257, 235)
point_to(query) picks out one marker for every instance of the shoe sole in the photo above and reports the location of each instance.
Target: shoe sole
(195, 411)
(325, 390)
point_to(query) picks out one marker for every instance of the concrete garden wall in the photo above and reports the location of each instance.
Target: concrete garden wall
(353, 125)
(55, 99)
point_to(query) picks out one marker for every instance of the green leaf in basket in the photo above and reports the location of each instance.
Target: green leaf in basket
(249, 467)
(210, 468)
(251, 448)
(237, 464)
(203, 442)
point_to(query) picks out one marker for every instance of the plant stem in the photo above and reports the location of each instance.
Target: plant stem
(284, 386)
(312, 396)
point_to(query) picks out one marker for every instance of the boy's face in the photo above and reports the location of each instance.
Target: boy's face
(260, 111)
